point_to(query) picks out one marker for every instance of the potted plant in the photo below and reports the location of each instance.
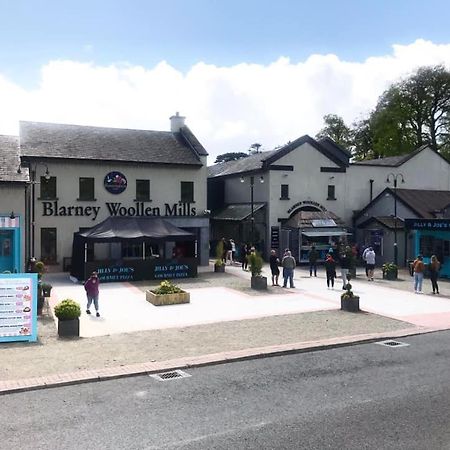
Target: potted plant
(68, 313)
(46, 289)
(219, 265)
(167, 294)
(256, 263)
(390, 271)
(349, 301)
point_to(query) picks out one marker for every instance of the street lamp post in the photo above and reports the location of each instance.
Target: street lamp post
(395, 178)
(33, 183)
(252, 185)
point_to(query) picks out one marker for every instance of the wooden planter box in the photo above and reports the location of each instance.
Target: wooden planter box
(219, 268)
(259, 283)
(69, 328)
(167, 299)
(350, 304)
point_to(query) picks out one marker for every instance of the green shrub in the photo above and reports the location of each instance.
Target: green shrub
(68, 309)
(219, 254)
(389, 268)
(167, 287)
(256, 263)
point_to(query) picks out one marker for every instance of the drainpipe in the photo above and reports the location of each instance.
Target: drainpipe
(371, 189)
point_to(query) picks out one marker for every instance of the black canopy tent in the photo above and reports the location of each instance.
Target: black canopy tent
(127, 229)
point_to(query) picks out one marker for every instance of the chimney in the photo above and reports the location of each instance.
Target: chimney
(176, 122)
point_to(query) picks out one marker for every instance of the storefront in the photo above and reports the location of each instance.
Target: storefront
(10, 245)
(80, 176)
(432, 237)
(145, 248)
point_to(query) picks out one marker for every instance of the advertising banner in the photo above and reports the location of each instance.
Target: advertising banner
(18, 307)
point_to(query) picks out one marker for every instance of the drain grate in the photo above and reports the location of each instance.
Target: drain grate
(391, 343)
(170, 375)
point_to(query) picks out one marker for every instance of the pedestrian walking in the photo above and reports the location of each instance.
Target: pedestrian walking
(92, 290)
(434, 268)
(228, 251)
(344, 262)
(274, 261)
(233, 250)
(313, 256)
(365, 262)
(244, 254)
(330, 269)
(370, 263)
(418, 270)
(288, 264)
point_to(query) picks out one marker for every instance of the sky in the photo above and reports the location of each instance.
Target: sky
(240, 71)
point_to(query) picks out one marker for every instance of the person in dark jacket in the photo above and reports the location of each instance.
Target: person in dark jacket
(434, 268)
(274, 262)
(330, 268)
(313, 257)
(92, 291)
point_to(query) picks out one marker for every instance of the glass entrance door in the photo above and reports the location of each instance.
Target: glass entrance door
(6, 251)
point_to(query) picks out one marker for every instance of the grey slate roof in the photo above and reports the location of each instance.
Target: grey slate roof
(425, 203)
(248, 164)
(9, 160)
(49, 140)
(386, 221)
(263, 160)
(237, 211)
(391, 161)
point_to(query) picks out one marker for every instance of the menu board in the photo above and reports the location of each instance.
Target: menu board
(18, 307)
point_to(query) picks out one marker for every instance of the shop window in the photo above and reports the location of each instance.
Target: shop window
(143, 190)
(48, 245)
(134, 250)
(187, 192)
(331, 192)
(48, 188)
(284, 192)
(86, 189)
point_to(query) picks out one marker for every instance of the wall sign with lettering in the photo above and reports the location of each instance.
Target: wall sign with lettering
(115, 182)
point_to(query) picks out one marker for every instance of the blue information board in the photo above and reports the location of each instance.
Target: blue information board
(18, 307)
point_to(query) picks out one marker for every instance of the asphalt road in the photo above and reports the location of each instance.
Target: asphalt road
(358, 397)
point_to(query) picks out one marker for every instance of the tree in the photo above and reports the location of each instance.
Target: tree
(413, 112)
(254, 148)
(231, 156)
(335, 129)
(362, 140)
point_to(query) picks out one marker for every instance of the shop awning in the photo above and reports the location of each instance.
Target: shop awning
(237, 211)
(115, 229)
(325, 233)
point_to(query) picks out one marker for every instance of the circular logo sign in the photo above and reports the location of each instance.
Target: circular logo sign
(115, 182)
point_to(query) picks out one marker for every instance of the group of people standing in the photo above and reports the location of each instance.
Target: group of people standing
(288, 264)
(419, 268)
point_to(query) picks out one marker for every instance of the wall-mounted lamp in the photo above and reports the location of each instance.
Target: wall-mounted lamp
(12, 215)
(242, 180)
(19, 169)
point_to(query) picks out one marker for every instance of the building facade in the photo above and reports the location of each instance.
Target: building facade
(77, 176)
(310, 176)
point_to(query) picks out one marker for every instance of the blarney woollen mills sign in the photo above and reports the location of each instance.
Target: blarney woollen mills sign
(55, 209)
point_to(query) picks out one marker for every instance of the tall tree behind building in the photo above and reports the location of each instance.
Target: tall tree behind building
(336, 129)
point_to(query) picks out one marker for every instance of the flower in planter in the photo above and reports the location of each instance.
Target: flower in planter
(348, 294)
(167, 287)
(68, 309)
(389, 268)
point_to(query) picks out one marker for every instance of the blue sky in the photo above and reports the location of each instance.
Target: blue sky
(241, 71)
(225, 32)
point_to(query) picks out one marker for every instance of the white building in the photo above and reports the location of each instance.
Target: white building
(81, 175)
(310, 194)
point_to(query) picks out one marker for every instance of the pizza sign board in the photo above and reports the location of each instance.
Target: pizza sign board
(18, 307)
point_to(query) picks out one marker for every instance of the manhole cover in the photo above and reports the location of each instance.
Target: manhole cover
(391, 343)
(164, 376)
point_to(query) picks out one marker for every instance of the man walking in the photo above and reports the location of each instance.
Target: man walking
(370, 263)
(419, 269)
(288, 264)
(92, 290)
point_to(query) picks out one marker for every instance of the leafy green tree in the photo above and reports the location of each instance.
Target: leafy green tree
(231, 156)
(335, 129)
(254, 148)
(362, 140)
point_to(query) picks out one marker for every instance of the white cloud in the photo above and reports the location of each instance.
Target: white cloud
(228, 108)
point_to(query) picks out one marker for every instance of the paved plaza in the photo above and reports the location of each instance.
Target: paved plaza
(225, 321)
